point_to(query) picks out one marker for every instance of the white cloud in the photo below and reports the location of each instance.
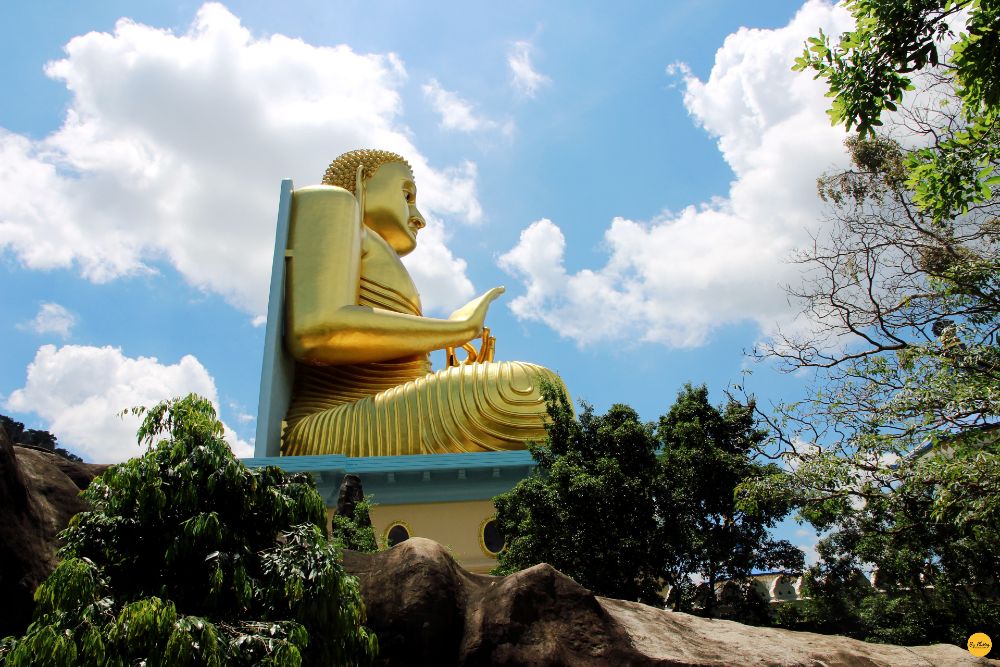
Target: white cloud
(675, 279)
(679, 68)
(457, 113)
(51, 318)
(173, 146)
(524, 77)
(240, 413)
(79, 391)
(810, 552)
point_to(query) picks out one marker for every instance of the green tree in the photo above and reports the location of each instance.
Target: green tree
(625, 507)
(588, 508)
(355, 531)
(935, 579)
(189, 558)
(869, 69)
(894, 449)
(706, 453)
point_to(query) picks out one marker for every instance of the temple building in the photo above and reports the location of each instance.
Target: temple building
(445, 497)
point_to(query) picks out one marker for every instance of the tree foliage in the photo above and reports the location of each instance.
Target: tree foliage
(935, 570)
(895, 45)
(588, 509)
(896, 451)
(355, 531)
(706, 453)
(626, 507)
(906, 312)
(189, 558)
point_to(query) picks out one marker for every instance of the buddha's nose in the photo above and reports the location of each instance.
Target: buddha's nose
(417, 219)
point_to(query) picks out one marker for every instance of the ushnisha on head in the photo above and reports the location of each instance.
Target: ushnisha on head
(342, 172)
(390, 194)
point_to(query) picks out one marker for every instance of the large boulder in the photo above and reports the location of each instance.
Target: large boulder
(39, 492)
(427, 610)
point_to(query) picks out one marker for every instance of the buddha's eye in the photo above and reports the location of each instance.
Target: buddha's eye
(410, 197)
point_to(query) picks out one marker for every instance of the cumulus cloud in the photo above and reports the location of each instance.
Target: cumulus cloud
(808, 541)
(810, 552)
(51, 319)
(524, 77)
(457, 113)
(240, 412)
(173, 146)
(79, 390)
(676, 278)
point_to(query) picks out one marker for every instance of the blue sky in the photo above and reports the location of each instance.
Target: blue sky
(637, 177)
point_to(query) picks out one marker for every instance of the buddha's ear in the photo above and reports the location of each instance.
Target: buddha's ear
(359, 188)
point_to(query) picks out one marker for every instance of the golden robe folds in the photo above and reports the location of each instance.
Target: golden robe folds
(400, 407)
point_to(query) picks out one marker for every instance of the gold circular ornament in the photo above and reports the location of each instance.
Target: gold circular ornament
(980, 644)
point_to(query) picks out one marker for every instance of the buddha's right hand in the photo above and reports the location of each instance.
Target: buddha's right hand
(474, 312)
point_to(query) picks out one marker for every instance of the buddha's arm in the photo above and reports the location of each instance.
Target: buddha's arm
(325, 325)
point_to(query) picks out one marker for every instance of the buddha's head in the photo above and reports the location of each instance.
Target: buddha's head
(390, 194)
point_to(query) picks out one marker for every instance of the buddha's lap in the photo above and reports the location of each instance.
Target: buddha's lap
(469, 408)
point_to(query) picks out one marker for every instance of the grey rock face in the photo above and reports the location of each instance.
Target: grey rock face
(427, 610)
(39, 492)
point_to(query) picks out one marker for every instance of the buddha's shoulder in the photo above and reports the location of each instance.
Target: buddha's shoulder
(323, 198)
(322, 191)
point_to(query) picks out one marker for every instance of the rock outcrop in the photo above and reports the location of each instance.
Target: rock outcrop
(427, 610)
(39, 492)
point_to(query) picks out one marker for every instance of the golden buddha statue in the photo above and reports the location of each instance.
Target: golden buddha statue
(363, 381)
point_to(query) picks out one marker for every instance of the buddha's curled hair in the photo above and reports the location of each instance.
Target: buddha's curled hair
(342, 172)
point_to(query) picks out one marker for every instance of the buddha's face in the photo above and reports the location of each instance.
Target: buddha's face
(391, 207)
